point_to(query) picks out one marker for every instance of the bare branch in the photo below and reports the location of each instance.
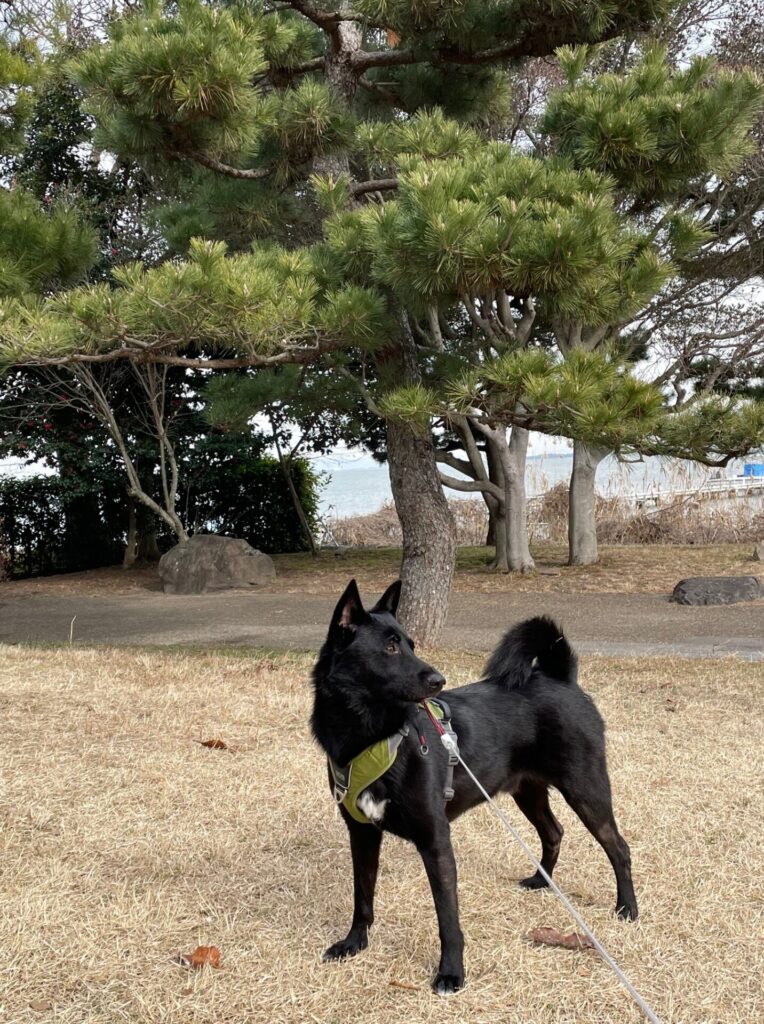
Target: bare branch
(212, 164)
(360, 188)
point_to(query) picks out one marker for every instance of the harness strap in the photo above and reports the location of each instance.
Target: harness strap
(371, 764)
(443, 727)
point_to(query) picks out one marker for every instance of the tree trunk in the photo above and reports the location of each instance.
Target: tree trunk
(429, 534)
(490, 534)
(142, 547)
(582, 520)
(128, 560)
(286, 469)
(496, 508)
(515, 456)
(506, 461)
(500, 561)
(147, 547)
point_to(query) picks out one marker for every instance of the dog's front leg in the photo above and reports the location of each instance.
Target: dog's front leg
(440, 865)
(365, 841)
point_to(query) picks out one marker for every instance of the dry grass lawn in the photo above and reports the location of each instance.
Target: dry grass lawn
(123, 841)
(622, 569)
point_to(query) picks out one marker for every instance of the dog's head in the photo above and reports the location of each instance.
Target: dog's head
(372, 649)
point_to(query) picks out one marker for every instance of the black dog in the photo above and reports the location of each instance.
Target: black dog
(524, 727)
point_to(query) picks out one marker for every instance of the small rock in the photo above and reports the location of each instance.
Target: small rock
(758, 552)
(703, 590)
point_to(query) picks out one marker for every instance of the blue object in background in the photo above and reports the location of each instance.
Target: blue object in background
(753, 469)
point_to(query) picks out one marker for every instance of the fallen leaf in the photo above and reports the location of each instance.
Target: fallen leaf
(551, 937)
(583, 972)
(216, 744)
(201, 957)
(41, 1005)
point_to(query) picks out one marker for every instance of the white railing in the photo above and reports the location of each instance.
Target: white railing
(728, 487)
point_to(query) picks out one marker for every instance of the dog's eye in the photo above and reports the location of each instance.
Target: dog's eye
(392, 647)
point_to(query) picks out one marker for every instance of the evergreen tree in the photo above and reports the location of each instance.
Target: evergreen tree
(425, 227)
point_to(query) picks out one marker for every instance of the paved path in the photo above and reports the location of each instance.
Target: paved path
(618, 624)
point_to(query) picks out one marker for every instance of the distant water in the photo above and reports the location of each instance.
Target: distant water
(355, 484)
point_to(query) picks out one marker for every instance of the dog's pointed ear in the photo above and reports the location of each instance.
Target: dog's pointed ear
(389, 600)
(347, 617)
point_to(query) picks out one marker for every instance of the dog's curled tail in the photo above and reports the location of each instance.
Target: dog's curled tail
(538, 640)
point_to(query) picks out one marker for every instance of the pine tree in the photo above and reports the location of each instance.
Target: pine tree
(673, 142)
(421, 226)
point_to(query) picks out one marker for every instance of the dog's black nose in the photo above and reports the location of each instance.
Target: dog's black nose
(435, 681)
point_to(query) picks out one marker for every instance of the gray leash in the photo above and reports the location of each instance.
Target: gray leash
(449, 742)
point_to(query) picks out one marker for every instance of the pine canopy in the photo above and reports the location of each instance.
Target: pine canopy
(409, 215)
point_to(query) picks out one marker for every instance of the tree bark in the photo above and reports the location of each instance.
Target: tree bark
(506, 461)
(429, 532)
(128, 560)
(498, 512)
(582, 520)
(515, 457)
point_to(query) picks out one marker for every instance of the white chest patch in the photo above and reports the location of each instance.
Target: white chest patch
(373, 809)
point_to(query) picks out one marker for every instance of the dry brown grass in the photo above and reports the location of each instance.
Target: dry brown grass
(622, 569)
(124, 841)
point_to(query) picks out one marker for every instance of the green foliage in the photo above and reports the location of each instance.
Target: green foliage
(655, 130)
(588, 396)
(163, 81)
(46, 527)
(246, 303)
(497, 220)
(181, 83)
(241, 497)
(713, 430)
(41, 249)
(19, 71)
(414, 403)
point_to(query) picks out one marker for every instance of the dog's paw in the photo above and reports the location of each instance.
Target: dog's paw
(346, 948)
(536, 881)
(447, 984)
(627, 912)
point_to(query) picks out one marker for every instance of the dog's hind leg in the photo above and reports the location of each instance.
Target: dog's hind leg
(595, 810)
(533, 800)
(365, 843)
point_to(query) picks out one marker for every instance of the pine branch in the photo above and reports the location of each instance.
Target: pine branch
(364, 392)
(139, 355)
(315, 64)
(246, 174)
(386, 94)
(539, 42)
(360, 188)
(326, 20)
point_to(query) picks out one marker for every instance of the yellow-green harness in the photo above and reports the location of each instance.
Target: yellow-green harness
(372, 763)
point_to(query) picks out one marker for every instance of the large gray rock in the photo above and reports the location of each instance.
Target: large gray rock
(207, 562)
(717, 590)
